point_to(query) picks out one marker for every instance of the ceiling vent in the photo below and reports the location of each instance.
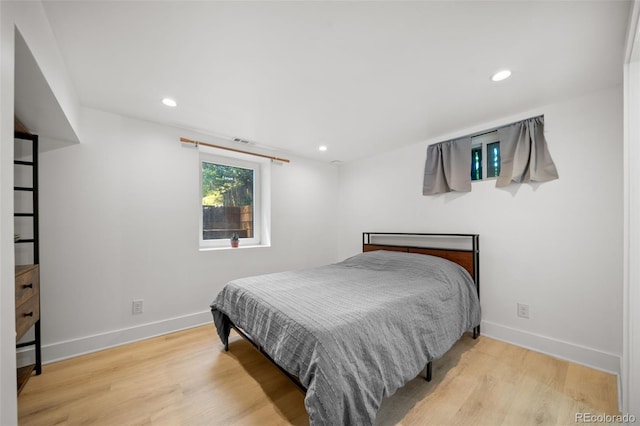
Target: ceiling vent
(243, 141)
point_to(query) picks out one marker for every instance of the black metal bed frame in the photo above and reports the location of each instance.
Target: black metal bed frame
(366, 240)
(256, 345)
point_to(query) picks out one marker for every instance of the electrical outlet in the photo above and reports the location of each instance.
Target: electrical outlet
(523, 310)
(136, 306)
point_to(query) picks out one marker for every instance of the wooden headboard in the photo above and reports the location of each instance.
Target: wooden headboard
(468, 258)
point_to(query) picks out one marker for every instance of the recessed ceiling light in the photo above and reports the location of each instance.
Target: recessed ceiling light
(322, 147)
(501, 75)
(169, 102)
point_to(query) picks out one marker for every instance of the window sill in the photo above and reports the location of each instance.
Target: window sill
(485, 179)
(234, 248)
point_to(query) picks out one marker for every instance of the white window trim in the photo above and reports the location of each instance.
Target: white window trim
(261, 200)
(484, 140)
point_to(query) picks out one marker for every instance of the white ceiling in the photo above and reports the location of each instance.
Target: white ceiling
(359, 77)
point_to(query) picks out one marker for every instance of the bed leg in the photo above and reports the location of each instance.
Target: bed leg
(476, 332)
(428, 373)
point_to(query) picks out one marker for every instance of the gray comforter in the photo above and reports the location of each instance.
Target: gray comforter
(355, 331)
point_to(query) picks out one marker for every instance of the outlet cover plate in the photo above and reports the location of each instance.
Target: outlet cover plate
(523, 310)
(137, 306)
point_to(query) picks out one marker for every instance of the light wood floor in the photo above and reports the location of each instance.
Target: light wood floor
(186, 378)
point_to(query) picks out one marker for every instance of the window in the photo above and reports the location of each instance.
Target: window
(493, 159)
(485, 156)
(476, 163)
(231, 195)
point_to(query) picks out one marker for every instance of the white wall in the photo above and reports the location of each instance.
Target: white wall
(631, 354)
(8, 406)
(556, 246)
(631, 338)
(119, 221)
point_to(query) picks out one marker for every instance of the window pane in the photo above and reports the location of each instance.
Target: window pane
(476, 163)
(227, 201)
(493, 159)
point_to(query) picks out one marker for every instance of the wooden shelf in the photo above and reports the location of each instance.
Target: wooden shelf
(23, 375)
(19, 127)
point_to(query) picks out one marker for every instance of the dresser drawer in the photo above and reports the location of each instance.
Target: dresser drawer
(26, 316)
(27, 283)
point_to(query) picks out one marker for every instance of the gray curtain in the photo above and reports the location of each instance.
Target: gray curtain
(524, 155)
(448, 167)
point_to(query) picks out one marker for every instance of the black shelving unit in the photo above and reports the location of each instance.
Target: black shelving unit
(34, 241)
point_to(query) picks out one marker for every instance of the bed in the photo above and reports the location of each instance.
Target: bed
(351, 333)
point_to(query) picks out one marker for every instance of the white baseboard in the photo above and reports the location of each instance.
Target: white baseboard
(70, 348)
(599, 360)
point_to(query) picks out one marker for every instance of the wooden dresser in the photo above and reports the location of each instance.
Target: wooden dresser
(28, 316)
